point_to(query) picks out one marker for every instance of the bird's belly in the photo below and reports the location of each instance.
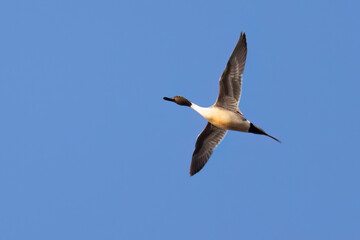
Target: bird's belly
(228, 120)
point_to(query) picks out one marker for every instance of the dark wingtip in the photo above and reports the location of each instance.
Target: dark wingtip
(192, 172)
(243, 35)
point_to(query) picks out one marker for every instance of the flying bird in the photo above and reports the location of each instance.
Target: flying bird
(224, 114)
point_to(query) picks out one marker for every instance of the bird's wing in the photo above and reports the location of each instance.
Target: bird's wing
(207, 140)
(231, 79)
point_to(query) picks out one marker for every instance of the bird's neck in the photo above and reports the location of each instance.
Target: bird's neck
(203, 111)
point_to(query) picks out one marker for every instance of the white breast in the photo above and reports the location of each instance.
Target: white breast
(223, 118)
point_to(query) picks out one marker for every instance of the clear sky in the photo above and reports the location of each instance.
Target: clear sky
(89, 150)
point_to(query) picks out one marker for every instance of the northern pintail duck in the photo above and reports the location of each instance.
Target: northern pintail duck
(224, 114)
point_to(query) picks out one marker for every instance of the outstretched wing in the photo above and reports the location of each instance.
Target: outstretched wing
(207, 140)
(231, 79)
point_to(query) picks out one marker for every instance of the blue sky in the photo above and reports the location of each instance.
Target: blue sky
(89, 150)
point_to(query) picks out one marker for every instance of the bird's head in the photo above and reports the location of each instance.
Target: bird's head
(179, 100)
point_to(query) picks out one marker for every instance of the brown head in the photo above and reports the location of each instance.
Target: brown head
(179, 100)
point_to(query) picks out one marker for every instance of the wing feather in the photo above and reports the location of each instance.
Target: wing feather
(207, 140)
(231, 79)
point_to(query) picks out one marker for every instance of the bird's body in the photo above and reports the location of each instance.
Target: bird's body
(224, 114)
(223, 118)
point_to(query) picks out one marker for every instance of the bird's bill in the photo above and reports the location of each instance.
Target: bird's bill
(169, 99)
